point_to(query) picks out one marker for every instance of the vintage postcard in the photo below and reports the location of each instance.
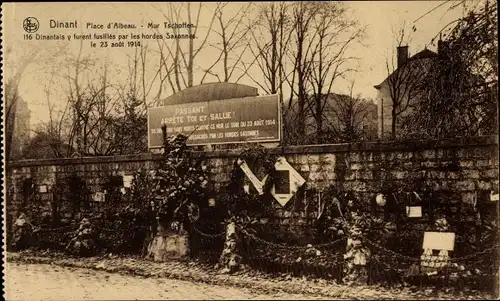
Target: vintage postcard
(250, 150)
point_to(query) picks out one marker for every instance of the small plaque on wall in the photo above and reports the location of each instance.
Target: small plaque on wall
(211, 202)
(127, 181)
(46, 197)
(42, 188)
(439, 241)
(99, 197)
(414, 211)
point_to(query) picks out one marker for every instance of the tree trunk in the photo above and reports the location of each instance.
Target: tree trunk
(393, 122)
(301, 121)
(319, 120)
(10, 122)
(319, 130)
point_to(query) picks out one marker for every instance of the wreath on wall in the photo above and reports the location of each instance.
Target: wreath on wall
(180, 183)
(246, 201)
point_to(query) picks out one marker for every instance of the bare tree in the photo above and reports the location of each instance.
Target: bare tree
(180, 73)
(333, 35)
(350, 117)
(139, 82)
(302, 48)
(232, 32)
(86, 122)
(271, 35)
(52, 132)
(80, 106)
(17, 68)
(100, 117)
(303, 14)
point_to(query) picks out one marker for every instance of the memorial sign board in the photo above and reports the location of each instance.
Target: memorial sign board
(237, 120)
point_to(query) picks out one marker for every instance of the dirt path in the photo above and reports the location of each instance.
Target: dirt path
(51, 282)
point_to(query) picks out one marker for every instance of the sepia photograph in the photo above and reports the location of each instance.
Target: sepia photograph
(250, 150)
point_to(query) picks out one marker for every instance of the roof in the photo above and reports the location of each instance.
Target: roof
(424, 54)
(209, 91)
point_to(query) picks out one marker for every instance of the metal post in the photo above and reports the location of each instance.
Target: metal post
(164, 133)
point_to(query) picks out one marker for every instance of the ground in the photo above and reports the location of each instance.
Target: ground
(48, 275)
(50, 282)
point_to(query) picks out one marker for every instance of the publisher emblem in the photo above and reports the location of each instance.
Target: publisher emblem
(31, 24)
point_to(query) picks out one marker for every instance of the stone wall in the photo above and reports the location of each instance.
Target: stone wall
(463, 166)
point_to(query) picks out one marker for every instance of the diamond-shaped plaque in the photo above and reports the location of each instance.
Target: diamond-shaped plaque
(295, 180)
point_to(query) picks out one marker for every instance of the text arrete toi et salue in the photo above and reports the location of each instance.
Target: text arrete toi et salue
(185, 115)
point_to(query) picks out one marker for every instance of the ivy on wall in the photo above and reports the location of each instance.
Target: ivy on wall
(180, 184)
(241, 203)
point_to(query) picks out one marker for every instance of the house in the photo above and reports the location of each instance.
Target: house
(401, 86)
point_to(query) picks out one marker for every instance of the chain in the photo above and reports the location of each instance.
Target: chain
(40, 229)
(412, 259)
(474, 255)
(284, 246)
(396, 254)
(207, 234)
(258, 239)
(386, 264)
(300, 247)
(109, 230)
(70, 226)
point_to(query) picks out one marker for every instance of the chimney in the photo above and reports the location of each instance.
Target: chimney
(402, 55)
(443, 49)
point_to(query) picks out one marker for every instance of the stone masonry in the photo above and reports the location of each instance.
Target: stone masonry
(462, 165)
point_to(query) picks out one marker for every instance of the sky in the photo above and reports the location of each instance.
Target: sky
(380, 18)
